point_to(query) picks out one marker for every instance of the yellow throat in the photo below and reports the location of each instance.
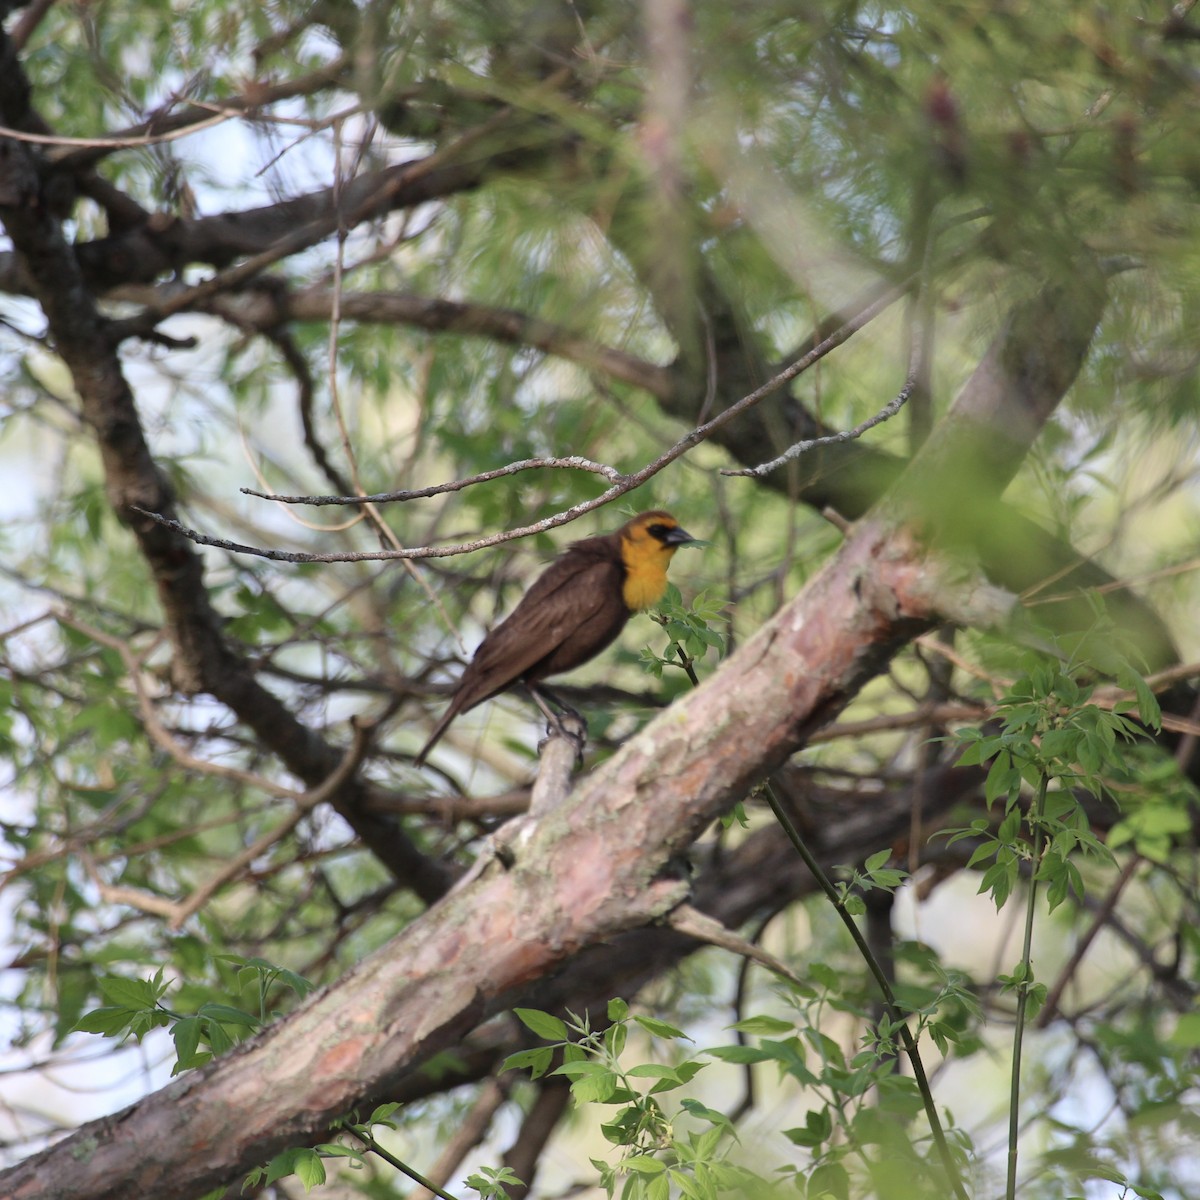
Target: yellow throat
(645, 559)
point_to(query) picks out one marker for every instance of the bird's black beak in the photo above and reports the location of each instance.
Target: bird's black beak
(677, 536)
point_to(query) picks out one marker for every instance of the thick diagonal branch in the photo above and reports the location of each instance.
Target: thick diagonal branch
(585, 874)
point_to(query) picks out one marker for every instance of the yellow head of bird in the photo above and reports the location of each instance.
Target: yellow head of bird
(648, 543)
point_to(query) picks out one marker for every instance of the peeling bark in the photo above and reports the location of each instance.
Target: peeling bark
(589, 871)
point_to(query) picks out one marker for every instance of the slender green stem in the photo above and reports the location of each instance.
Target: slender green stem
(360, 1132)
(1026, 982)
(684, 661)
(885, 988)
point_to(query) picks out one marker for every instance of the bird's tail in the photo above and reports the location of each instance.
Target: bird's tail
(440, 728)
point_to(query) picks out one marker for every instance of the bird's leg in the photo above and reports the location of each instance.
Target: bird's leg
(570, 724)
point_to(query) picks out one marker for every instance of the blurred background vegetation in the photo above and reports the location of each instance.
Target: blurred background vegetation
(445, 237)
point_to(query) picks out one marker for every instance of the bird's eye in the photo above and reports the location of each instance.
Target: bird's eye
(658, 531)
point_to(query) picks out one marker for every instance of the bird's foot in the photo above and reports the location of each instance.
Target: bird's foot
(570, 726)
(566, 723)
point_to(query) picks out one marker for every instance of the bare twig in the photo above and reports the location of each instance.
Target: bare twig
(624, 483)
(158, 732)
(307, 235)
(387, 536)
(1099, 920)
(304, 803)
(794, 451)
(29, 623)
(117, 143)
(130, 897)
(695, 924)
(267, 310)
(1182, 568)
(573, 463)
(161, 127)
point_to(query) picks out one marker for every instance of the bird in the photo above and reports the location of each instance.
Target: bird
(571, 612)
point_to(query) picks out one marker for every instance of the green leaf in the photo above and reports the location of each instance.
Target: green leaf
(282, 1165)
(825, 975)
(543, 1024)
(186, 1035)
(1186, 1032)
(829, 1180)
(703, 1113)
(228, 1015)
(658, 1187)
(537, 1059)
(108, 1021)
(660, 1029)
(309, 1169)
(735, 816)
(493, 1182)
(644, 1164)
(983, 853)
(615, 1037)
(739, 1054)
(301, 986)
(594, 1088)
(790, 1056)
(818, 1127)
(617, 1010)
(877, 860)
(197, 1060)
(1147, 702)
(214, 1033)
(132, 993)
(764, 1026)
(652, 1071)
(382, 1114)
(582, 1067)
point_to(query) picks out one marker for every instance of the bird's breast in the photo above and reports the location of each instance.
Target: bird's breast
(644, 586)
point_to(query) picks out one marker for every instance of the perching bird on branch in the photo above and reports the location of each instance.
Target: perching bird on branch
(573, 610)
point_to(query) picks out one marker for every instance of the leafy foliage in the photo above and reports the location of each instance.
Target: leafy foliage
(482, 234)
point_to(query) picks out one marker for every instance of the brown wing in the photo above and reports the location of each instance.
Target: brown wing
(570, 612)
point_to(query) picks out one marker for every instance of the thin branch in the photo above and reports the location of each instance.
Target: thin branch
(266, 310)
(129, 897)
(573, 463)
(157, 731)
(689, 920)
(387, 536)
(26, 625)
(307, 235)
(27, 25)
(1023, 986)
(161, 127)
(351, 760)
(623, 484)
(294, 358)
(118, 143)
(360, 1132)
(1114, 585)
(899, 1021)
(1099, 920)
(794, 451)
(471, 1130)
(540, 1121)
